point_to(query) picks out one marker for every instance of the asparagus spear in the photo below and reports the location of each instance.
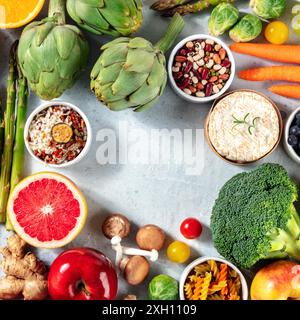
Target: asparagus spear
(1, 131)
(194, 7)
(162, 5)
(9, 120)
(19, 145)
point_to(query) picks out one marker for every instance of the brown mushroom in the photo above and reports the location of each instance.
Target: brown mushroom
(116, 225)
(150, 237)
(135, 269)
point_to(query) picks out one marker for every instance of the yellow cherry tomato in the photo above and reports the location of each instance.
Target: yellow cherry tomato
(296, 24)
(178, 252)
(277, 32)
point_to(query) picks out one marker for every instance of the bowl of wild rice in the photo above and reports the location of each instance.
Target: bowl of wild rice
(58, 134)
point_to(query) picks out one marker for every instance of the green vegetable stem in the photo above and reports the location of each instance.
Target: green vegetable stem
(251, 126)
(1, 130)
(18, 152)
(185, 7)
(162, 5)
(9, 120)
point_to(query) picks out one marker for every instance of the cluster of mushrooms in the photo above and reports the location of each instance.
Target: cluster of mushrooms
(133, 263)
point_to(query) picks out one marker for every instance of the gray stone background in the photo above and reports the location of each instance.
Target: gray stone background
(160, 194)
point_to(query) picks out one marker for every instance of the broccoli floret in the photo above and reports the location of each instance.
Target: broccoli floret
(254, 217)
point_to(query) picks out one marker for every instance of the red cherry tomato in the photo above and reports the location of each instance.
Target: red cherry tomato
(191, 228)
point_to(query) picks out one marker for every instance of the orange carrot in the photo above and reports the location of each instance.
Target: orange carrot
(290, 91)
(281, 53)
(285, 73)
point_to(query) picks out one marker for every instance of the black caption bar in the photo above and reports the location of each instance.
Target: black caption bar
(98, 310)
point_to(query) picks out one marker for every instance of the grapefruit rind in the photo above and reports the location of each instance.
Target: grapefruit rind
(77, 195)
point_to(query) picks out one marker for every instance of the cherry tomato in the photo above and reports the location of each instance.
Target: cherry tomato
(277, 32)
(178, 252)
(191, 228)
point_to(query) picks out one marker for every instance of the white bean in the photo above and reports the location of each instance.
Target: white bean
(200, 63)
(215, 89)
(187, 91)
(217, 67)
(197, 57)
(201, 53)
(210, 64)
(200, 94)
(222, 70)
(210, 41)
(195, 80)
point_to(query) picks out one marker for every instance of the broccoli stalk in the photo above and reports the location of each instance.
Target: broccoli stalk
(286, 241)
(254, 217)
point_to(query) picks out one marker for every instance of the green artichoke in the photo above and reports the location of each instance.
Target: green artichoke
(52, 54)
(131, 72)
(111, 17)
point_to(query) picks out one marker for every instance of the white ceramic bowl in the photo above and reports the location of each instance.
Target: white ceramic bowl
(88, 127)
(170, 65)
(198, 261)
(289, 149)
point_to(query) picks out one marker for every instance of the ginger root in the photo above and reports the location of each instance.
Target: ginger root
(25, 276)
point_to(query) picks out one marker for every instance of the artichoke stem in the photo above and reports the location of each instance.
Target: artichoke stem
(57, 9)
(174, 29)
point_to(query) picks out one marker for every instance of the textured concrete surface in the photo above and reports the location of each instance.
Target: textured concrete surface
(160, 194)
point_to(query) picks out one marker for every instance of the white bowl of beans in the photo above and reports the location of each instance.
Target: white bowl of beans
(201, 68)
(58, 134)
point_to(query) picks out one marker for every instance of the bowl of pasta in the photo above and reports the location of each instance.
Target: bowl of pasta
(210, 278)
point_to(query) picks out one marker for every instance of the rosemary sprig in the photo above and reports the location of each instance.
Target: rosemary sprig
(251, 125)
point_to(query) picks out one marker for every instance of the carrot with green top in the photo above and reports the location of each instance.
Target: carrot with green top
(284, 73)
(289, 91)
(281, 53)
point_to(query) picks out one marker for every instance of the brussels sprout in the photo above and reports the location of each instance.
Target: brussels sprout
(222, 18)
(268, 9)
(163, 287)
(247, 29)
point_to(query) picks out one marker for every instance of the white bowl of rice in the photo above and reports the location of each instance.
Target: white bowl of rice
(58, 134)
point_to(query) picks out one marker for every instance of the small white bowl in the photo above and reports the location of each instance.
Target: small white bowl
(198, 261)
(88, 127)
(170, 65)
(289, 149)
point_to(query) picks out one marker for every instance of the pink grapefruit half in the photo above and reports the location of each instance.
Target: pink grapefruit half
(47, 210)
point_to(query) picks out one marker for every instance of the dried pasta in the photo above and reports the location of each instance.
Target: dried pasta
(213, 267)
(205, 286)
(188, 289)
(193, 278)
(213, 280)
(222, 276)
(201, 269)
(197, 290)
